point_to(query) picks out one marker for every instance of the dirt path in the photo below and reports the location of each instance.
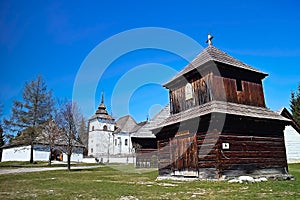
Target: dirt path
(41, 169)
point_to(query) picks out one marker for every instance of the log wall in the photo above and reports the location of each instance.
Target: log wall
(146, 158)
(218, 88)
(164, 157)
(251, 154)
(256, 146)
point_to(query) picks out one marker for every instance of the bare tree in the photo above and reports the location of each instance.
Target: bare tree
(68, 121)
(51, 135)
(35, 109)
(83, 134)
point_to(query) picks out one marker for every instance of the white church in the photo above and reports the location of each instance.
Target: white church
(108, 138)
(100, 129)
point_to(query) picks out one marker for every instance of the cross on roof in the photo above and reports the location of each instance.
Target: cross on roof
(209, 39)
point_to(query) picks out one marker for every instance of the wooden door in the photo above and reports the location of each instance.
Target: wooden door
(183, 152)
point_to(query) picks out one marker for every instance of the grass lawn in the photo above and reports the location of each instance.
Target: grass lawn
(26, 164)
(119, 182)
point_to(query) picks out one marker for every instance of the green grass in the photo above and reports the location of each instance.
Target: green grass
(26, 164)
(114, 182)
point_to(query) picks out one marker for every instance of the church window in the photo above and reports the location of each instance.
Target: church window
(91, 150)
(116, 142)
(105, 128)
(126, 142)
(239, 86)
(120, 141)
(93, 128)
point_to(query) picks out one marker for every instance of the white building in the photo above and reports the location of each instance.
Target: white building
(292, 144)
(291, 138)
(50, 144)
(41, 152)
(101, 127)
(126, 127)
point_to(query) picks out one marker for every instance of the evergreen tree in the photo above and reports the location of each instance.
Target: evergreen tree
(2, 141)
(35, 109)
(295, 105)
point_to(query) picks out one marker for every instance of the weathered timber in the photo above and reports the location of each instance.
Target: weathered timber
(252, 154)
(146, 158)
(217, 88)
(219, 123)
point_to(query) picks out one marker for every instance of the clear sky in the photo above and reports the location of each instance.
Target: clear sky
(53, 38)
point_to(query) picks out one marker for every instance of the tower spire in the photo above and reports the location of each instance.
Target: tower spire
(102, 98)
(101, 107)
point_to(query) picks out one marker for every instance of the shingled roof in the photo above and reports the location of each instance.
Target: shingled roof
(222, 107)
(126, 124)
(285, 113)
(145, 131)
(214, 54)
(101, 112)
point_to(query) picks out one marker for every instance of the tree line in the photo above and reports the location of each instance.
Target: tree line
(39, 118)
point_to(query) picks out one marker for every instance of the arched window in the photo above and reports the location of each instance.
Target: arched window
(105, 128)
(188, 91)
(93, 128)
(126, 142)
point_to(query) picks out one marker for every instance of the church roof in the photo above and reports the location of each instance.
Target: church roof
(145, 131)
(214, 54)
(126, 124)
(101, 112)
(222, 107)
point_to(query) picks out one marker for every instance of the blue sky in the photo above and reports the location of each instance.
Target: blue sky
(53, 38)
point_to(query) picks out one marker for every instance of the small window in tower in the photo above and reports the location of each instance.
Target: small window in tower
(126, 142)
(188, 91)
(93, 128)
(239, 86)
(105, 128)
(116, 142)
(91, 150)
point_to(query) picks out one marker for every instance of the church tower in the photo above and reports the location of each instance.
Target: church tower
(219, 125)
(101, 126)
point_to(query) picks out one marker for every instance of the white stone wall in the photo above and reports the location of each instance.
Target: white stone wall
(122, 144)
(18, 154)
(77, 156)
(96, 125)
(112, 159)
(100, 142)
(40, 153)
(292, 144)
